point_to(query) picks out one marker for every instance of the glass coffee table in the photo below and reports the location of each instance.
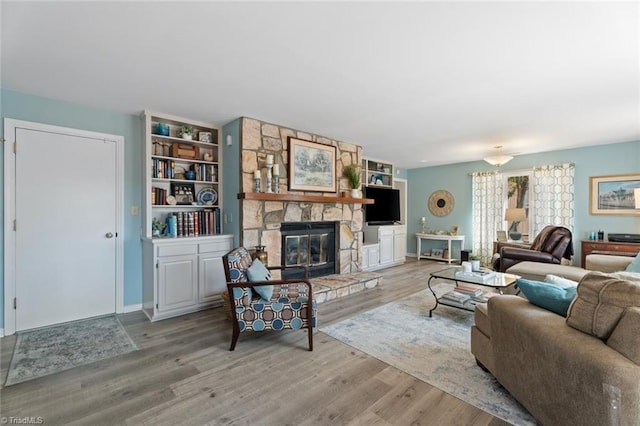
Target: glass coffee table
(498, 281)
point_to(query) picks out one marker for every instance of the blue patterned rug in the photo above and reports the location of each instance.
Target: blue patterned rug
(435, 350)
(60, 347)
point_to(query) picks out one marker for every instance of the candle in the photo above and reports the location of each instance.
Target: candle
(256, 174)
(276, 170)
(270, 159)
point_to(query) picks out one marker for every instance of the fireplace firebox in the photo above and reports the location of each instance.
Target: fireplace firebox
(313, 244)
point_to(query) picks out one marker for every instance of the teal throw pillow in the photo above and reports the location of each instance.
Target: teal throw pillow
(634, 266)
(547, 295)
(258, 272)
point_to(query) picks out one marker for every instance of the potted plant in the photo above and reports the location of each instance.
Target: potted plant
(187, 132)
(352, 173)
(475, 262)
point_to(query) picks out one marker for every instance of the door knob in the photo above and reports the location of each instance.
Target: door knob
(109, 235)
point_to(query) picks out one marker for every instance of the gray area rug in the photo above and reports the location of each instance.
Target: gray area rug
(60, 347)
(435, 350)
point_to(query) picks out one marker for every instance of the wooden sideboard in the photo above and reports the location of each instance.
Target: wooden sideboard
(608, 247)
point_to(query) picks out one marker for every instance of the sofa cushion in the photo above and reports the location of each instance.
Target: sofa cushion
(625, 338)
(600, 302)
(634, 266)
(547, 295)
(538, 271)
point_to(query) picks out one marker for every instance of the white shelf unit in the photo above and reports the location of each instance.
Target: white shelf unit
(377, 173)
(389, 242)
(166, 172)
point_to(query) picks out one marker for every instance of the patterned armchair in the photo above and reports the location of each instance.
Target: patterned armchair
(290, 307)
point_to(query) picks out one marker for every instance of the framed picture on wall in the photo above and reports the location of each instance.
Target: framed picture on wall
(614, 194)
(312, 166)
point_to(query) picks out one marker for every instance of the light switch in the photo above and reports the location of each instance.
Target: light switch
(135, 210)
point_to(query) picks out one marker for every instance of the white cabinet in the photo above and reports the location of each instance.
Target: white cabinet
(392, 244)
(183, 275)
(370, 256)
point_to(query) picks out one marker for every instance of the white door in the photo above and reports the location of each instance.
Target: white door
(65, 238)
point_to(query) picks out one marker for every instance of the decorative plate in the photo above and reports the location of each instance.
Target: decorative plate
(207, 196)
(441, 203)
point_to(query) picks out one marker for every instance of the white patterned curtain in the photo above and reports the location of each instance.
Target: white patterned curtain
(488, 211)
(553, 200)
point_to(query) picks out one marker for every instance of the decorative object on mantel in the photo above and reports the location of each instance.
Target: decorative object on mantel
(441, 203)
(499, 159)
(352, 173)
(256, 178)
(276, 179)
(454, 230)
(269, 167)
(615, 194)
(312, 166)
(187, 132)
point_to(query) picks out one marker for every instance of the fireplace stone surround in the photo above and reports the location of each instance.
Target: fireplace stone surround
(260, 221)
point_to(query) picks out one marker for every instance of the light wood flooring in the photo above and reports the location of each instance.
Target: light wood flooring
(183, 373)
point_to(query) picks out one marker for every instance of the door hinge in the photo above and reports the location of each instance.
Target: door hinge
(15, 303)
(15, 147)
(14, 224)
(157, 265)
(156, 306)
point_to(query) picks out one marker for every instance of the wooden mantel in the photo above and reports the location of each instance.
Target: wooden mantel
(263, 196)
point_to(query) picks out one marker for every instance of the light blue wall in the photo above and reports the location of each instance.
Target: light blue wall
(599, 160)
(27, 107)
(231, 174)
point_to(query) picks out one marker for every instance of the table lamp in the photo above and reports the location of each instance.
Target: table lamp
(516, 215)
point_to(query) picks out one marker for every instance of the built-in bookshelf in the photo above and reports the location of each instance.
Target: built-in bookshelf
(377, 173)
(182, 176)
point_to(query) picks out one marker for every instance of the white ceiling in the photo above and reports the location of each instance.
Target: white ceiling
(417, 83)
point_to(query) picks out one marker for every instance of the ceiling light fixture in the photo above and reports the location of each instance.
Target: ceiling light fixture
(498, 160)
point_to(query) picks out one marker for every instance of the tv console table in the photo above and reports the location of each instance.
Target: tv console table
(437, 237)
(607, 247)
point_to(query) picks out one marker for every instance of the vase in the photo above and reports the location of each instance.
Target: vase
(187, 136)
(475, 265)
(355, 193)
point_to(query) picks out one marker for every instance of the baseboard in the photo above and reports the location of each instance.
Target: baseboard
(132, 308)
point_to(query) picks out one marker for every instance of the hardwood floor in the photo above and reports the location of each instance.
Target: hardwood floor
(184, 373)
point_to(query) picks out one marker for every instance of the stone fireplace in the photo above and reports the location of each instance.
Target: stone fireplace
(264, 222)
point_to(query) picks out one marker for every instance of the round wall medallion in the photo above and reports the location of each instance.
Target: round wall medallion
(441, 203)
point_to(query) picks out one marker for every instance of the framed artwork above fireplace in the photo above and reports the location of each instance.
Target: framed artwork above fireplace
(312, 166)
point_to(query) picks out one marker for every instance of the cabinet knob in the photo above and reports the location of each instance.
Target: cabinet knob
(109, 235)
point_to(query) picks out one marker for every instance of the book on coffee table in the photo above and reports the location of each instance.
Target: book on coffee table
(481, 276)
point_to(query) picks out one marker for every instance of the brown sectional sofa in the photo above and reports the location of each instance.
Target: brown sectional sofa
(562, 375)
(595, 262)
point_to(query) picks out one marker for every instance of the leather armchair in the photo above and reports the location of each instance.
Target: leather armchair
(550, 246)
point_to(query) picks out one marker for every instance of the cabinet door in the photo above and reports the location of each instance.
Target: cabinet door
(399, 246)
(177, 285)
(374, 256)
(386, 248)
(211, 279)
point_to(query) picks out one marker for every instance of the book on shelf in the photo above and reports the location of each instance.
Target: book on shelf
(481, 276)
